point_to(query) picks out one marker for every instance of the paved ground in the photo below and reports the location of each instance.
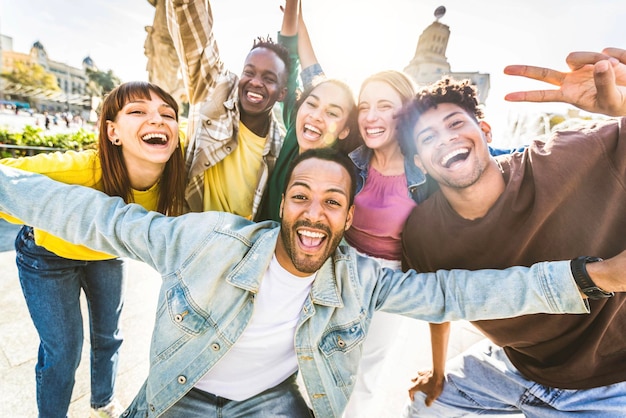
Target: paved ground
(19, 342)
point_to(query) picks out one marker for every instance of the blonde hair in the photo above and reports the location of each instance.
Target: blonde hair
(397, 80)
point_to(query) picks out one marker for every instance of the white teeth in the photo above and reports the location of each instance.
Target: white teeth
(446, 158)
(312, 234)
(254, 97)
(152, 136)
(312, 129)
(375, 131)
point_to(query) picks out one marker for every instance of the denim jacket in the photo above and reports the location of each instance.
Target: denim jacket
(212, 263)
(415, 178)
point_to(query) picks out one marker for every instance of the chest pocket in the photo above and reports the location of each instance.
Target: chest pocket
(342, 339)
(184, 312)
(341, 349)
(215, 119)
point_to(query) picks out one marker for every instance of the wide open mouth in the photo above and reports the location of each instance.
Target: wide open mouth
(311, 240)
(155, 139)
(455, 156)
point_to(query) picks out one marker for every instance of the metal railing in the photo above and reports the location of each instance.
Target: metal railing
(24, 150)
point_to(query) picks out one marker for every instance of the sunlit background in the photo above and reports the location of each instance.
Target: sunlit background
(353, 38)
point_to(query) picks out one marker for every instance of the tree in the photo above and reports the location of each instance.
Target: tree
(32, 75)
(101, 82)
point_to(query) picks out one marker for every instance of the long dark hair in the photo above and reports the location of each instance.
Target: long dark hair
(353, 140)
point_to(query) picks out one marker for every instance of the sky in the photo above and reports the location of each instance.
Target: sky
(352, 38)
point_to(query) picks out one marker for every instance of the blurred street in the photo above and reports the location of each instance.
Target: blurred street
(12, 122)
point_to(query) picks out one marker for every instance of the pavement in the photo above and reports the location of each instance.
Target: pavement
(19, 343)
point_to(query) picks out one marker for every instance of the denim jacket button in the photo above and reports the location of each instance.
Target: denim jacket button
(215, 347)
(179, 317)
(152, 408)
(182, 380)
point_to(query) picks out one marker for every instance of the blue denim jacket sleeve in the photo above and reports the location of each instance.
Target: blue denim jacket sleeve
(546, 287)
(86, 216)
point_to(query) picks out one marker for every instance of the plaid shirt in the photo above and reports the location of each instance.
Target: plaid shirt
(213, 101)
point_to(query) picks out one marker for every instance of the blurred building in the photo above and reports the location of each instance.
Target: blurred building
(430, 63)
(72, 81)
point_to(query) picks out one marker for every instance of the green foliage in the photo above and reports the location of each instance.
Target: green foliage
(101, 82)
(33, 136)
(31, 75)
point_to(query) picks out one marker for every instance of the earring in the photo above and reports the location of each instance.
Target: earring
(116, 141)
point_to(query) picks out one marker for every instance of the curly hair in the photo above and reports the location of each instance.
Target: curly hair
(446, 90)
(278, 49)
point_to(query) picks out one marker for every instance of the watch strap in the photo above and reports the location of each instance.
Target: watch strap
(583, 280)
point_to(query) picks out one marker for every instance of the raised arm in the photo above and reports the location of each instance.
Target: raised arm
(305, 47)
(290, 18)
(190, 23)
(311, 68)
(288, 37)
(595, 83)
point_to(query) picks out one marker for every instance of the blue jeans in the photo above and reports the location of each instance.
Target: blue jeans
(283, 400)
(482, 381)
(51, 287)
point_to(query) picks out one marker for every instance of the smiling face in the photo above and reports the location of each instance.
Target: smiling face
(146, 130)
(262, 82)
(378, 105)
(323, 116)
(452, 147)
(315, 212)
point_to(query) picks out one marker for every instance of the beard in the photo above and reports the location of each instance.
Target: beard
(308, 263)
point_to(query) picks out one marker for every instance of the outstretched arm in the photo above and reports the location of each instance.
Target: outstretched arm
(85, 216)
(596, 82)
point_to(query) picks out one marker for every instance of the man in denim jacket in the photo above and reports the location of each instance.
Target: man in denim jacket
(241, 300)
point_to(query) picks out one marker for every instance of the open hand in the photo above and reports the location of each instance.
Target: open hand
(595, 83)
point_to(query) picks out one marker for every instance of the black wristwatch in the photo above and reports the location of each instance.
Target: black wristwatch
(584, 282)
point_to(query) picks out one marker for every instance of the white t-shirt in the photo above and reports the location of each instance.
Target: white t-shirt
(264, 354)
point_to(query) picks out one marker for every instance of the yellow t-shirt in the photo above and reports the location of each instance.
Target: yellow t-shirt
(71, 167)
(230, 185)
